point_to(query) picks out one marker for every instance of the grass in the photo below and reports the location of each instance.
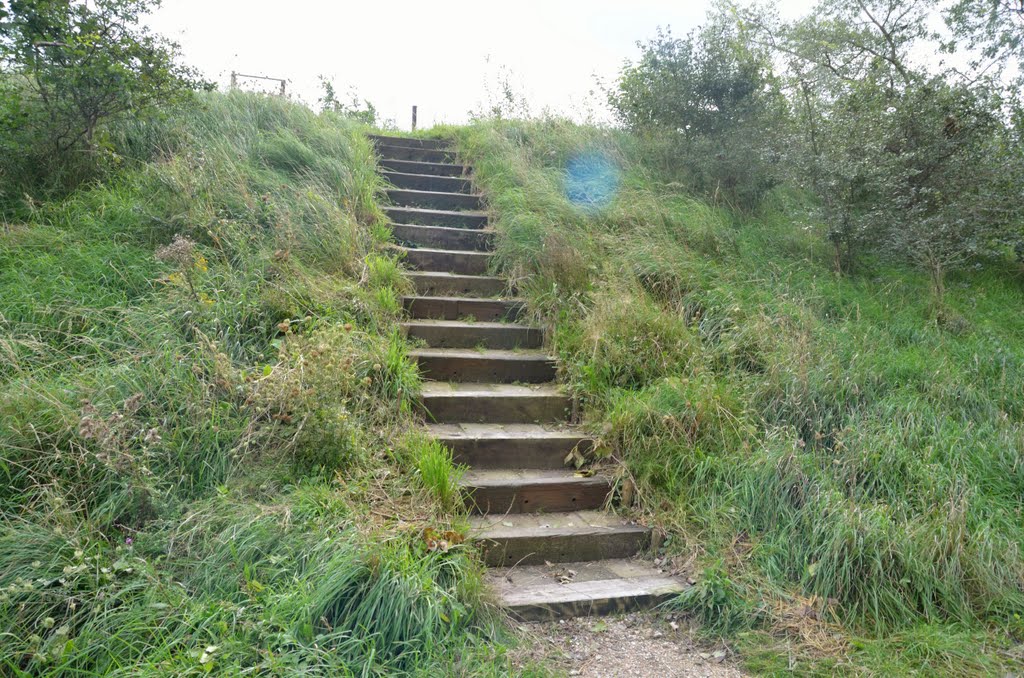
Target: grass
(839, 458)
(205, 395)
(206, 403)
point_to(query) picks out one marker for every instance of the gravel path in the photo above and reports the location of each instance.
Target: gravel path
(642, 645)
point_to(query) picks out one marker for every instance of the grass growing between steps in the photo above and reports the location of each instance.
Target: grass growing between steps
(204, 400)
(835, 462)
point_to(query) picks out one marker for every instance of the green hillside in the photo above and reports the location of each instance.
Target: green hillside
(783, 285)
(834, 460)
(206, 407)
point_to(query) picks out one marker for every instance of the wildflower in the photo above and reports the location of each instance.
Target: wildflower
(180, 251)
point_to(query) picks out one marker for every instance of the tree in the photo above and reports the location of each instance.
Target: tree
(912, 159)
(714, 94)
(364, 111)
(71, 66)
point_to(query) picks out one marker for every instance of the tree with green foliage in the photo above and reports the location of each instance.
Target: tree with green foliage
(360, 111)
(70, 67)
(910, 159)
(713, 93)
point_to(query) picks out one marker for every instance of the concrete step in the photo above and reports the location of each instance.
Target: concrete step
(443, 237)
(428, 217)
(430, 283)
(437, 169)
(462, 334)
(451, 403)
(426, 182)
(485, 366)
(495, 446)
(462, 262)
(535, 538)
(435, 144)
(391, 152)
(404, 197)
(461, 308)
(579, 589)
(505, 491)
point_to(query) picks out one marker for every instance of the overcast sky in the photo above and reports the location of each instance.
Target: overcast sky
(440, 55)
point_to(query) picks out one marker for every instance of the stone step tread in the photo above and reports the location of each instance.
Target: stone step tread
(410, 142)
(449, 274)
(440, 194)
(518, 477)
(413, 175)
(423, 166)
(514, 525)
(447, 213)
(483, 354)
(443, 298)
(448, 307)
(435, 250)
(525, 576)
(453, 229)
(385, 148)
(437, 283)
(485, 390)
(459, 324)
(502, 431)
(419, 182)
(536, 592)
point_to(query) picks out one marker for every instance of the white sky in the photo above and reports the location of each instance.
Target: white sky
(439, 55)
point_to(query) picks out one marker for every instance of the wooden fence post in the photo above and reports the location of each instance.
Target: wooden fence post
(413, 118)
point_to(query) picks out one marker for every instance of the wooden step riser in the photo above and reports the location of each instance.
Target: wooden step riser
(434, 201)
(474, 337)
(433, 144)
(418, 154)
(497, 410)
(426, 217)
(483, 310)
(613, 602)
(443, 238)
(499, 453)
(536, 550)
(425, 182)
(463, 263)
(439, 169)
(455, 286)
(584, 495)
(486, 370)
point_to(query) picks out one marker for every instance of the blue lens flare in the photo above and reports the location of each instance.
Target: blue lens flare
(591, 181)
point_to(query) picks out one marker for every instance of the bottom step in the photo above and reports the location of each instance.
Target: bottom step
(540, 592)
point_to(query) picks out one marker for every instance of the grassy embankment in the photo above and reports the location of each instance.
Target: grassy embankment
(837, 462)
(204, 447)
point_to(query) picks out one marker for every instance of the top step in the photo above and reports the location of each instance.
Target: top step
(415, 154)
(433, 144)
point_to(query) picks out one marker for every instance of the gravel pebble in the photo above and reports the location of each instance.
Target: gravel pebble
(642, 645)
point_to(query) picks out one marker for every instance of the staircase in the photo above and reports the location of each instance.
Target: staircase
(490, 396)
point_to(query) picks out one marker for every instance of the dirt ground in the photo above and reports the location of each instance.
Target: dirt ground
(642, 645)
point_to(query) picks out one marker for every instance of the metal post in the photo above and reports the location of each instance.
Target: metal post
(413, 118)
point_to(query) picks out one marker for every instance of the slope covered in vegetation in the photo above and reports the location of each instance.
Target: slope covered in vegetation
(205, 403)
(834, 459)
